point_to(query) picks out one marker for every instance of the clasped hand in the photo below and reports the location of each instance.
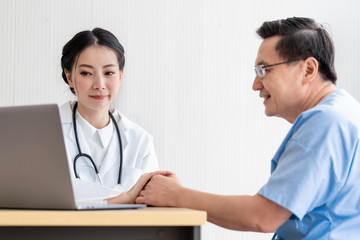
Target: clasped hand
(156, 188)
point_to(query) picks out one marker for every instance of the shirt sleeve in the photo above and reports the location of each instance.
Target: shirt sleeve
(304, 177)
(149, 162)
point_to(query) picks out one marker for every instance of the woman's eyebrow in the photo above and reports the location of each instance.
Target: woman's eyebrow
(86, 65)
(105, 66)
(109, 65)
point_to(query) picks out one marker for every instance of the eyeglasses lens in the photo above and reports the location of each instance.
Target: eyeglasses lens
(260, 71)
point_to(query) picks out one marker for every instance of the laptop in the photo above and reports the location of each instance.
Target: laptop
(34, 170)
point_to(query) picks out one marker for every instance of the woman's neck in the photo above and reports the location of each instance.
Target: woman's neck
(97, 118)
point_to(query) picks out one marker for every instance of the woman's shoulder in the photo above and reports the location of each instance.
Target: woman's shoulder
(128, 125)
(65, 111)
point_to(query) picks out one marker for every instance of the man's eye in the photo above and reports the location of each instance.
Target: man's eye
(267, 69)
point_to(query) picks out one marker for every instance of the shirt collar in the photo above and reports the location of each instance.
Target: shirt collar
(101, 136)
(106, 134)
(124, 125)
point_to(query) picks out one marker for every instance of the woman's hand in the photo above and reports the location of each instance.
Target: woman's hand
(130, 196)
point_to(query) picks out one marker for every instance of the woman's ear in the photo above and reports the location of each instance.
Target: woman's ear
(121, 75)
(69, 78)
(310, 69)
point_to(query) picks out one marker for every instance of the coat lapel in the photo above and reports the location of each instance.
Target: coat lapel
(112, 157)
(83, 165)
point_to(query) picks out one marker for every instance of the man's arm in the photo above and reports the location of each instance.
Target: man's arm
(245, 213)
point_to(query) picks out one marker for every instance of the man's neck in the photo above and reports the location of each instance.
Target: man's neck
(318, 92)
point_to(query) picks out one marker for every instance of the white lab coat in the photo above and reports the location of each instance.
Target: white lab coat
(138, 157)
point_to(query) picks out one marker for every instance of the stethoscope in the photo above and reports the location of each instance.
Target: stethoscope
(80, 154)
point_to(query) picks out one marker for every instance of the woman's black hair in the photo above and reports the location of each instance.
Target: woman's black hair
(73, 48)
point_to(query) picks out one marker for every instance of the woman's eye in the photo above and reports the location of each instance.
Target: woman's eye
(109, 73)
(85, 73)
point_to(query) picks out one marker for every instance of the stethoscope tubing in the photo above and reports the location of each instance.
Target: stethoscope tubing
(81, 154)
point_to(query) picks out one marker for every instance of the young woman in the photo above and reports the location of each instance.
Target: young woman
(105, 149)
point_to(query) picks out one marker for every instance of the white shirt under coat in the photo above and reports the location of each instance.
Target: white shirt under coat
(103, 146)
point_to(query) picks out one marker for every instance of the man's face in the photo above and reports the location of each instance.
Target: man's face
(281, 87)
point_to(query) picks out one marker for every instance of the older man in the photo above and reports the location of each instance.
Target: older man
(313, 191)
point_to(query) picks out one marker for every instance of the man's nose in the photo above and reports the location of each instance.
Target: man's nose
(257, 84)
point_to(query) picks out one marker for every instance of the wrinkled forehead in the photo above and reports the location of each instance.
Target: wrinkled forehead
(267, 53)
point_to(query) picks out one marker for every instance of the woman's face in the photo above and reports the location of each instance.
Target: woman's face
(96, 78)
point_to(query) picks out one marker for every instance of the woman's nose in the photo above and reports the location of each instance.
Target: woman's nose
(99, 82)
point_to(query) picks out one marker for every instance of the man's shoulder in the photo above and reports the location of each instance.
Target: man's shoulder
(333, 117)
(337, 107)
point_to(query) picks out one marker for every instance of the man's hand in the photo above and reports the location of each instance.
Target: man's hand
(130, 196)
(161, 190)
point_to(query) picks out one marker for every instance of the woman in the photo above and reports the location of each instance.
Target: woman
(107, 152)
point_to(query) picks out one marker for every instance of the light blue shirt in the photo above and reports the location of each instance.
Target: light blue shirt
(315, 173)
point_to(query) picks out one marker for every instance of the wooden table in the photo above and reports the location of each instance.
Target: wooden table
(144, 223)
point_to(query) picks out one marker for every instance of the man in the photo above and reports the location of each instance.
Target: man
(314, 188)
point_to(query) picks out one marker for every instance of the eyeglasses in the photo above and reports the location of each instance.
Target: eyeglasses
(260, 69)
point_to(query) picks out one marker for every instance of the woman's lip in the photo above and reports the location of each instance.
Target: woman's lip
(99, 97)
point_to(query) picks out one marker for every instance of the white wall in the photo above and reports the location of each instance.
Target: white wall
(189, 70)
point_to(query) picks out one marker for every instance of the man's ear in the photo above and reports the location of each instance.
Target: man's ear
(69, 78)
(310, 69)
